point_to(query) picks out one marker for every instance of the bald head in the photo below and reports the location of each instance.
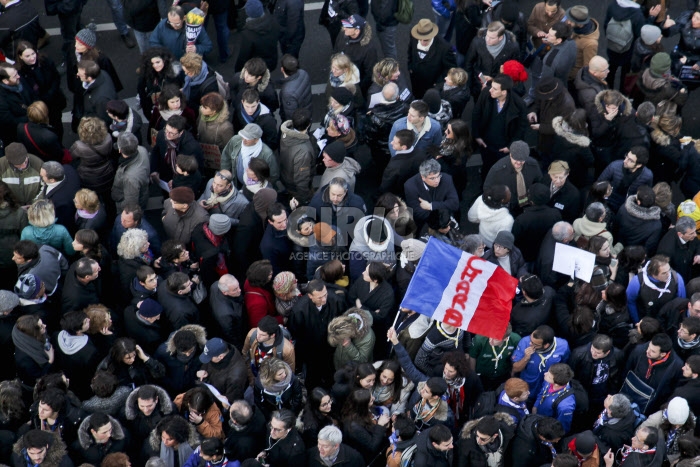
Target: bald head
(599, 67)
(563, 232)
(390, 92)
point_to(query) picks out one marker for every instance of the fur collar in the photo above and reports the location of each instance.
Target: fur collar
(264, 82)
(192, 438)
(367, 34)
(199, 332)
(54, 456)
(443, 409)
(85, 437)
(131, 407)
(571, 137)
(660, 137)
(626, 104)
(646, 214)
(469, 427)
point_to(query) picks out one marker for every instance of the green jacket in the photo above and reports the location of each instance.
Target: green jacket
(229, 159)
(25, 184)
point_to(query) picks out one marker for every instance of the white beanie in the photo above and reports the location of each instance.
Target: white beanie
(678, 411)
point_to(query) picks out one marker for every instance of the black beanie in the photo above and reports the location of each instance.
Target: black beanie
(336, 151)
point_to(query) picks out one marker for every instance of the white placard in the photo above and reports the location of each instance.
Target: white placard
(573, 262)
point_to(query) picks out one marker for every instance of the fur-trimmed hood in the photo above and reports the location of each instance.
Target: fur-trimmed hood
(199, 332)
(660, 137)
(85, 437)
(223, 116)
(468, 428)
(635, 210)
(561, 129)
(131, 408)
(626, 106)
(262, 85)
(192, 439)
(354, 324)
(56, 452)
(288, 131)
(367, 34)
(443, 409)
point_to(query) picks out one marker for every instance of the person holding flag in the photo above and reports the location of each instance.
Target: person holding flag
(535, 354)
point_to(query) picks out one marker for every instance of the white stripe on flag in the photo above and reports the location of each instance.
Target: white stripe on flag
(462, 306)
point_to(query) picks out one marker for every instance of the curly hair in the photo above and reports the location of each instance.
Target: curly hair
(155, 52)
(88, 200)
(457, 360)
(131, 243)
(116, 459)
(92, 130)
(269, 368)
(192, 61)
(12, 408)
(175, 426)
(100, 317)
(383, 70)
(259, 273)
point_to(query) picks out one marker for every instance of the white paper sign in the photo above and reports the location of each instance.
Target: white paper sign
(573, 262)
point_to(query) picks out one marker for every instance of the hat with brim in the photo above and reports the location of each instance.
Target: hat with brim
(578, 14)
(548, 88)
(424, 30)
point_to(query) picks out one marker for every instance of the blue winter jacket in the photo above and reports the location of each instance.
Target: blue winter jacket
(565, 408)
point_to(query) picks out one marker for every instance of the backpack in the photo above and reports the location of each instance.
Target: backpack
(639, 416)
(224, 88)
(407, 456)
(485, 405)
(582, 241)
(404, 12)
(619, 35)
(580, 395)
(280, 347)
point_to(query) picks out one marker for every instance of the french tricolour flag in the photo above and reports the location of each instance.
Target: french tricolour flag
(461, 290)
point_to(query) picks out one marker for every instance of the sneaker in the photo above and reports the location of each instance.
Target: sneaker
(129, 41)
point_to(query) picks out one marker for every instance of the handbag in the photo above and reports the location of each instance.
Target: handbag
(199, 293)
(637, 391)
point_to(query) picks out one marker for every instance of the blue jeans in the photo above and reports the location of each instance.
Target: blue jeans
(118, 16)
(142, 40)
(222, 34)
(387, 39)
(444, 25)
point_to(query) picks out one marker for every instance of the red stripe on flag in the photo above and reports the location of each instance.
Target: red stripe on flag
(493, 312)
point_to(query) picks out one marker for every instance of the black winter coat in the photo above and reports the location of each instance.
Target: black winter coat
(249, 441)
(543, 265)
(635, 225)
(400, 168)
(44, 82)
(479, 60)
(680, 254)
(363, 52)
(45, 137)
(228, 315)
(527, 449)
(148, 88)
(517, 263)
(180, 376)
(503, 173)
(688, 389)
(665, 156)
(368, 441)
(289, 15)
(383, 12)
(568, 201)
(188, 145)
(79, 367)
(13, 111)
(576, 151)
(246, 240)
(516, 121)
(95, 98)
(178, 309)
(690, 165)
(259, 39)
(430, 70)
(292, 398)
(197, 91)
(531, 226)
(148, 336)
(266, 121)
(142, 15)
(458, 98)
(229, 376)
(469, 454)
(347, 457)
(581, 361)
(20, 21)
(295, 94)
(614, 436)
(526, 316)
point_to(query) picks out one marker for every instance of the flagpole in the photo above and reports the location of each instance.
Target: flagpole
(396, 318)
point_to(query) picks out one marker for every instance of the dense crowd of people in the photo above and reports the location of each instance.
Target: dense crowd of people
(257, 319)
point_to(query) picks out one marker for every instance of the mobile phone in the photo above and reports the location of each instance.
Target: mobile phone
(481, 78)
(47, 345)
(613, 262)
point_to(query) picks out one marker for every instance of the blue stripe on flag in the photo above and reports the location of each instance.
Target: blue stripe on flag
(432, 276)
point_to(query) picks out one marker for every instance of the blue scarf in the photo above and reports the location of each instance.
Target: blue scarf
(196, 81)
(16, 89)
(250, 118)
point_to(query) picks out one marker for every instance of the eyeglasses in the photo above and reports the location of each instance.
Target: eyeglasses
(327, 404)
(276, 430)
(228, 178)
(435, 177)
(172, 133)
(175, 25)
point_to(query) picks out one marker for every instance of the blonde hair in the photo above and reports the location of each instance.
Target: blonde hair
(88, 200)
(99, 317)
(343, 62)
(41, 213)
(269, 368)
(384, 69)
(341, 328)
(458, 76)
(37, 112)
(92, 130)
(192, 61)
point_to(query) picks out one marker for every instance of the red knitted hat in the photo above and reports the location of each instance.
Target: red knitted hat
(515, 70)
